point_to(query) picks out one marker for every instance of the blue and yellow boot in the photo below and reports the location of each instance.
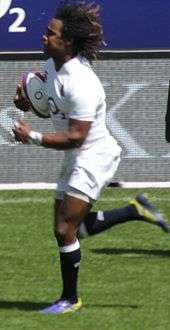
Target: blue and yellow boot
(148, 212)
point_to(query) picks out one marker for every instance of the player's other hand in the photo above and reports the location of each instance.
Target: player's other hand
(20, 101)
(21, 131)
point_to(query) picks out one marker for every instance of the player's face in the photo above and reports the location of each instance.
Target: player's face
(55, 45)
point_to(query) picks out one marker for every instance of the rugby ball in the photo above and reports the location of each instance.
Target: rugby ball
(33, 88)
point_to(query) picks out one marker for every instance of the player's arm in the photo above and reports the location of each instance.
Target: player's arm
(73, 137)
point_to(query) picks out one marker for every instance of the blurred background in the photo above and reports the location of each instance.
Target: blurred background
(134, 68)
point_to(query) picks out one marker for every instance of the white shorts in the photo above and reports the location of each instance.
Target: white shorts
(75, 193)
(87, 177)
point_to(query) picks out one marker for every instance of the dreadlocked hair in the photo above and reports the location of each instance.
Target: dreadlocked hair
(82, 25)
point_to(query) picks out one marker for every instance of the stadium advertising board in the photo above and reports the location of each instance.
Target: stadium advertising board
(136, 95)
(129, 24)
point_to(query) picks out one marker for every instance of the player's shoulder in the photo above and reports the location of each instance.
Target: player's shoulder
(81, 76)
(78, 67)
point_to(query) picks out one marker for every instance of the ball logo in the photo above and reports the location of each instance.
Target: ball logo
(4, 7)
(38, 95)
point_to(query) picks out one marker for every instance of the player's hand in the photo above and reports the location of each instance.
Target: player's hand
(21, 102)
(21, 131)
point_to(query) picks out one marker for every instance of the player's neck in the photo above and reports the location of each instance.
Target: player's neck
(60, 62)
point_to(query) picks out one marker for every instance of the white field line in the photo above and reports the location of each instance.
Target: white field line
(28, 186)
(27, 200)
(52, 186)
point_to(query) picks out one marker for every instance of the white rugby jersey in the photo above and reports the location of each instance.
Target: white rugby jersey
(76, 92)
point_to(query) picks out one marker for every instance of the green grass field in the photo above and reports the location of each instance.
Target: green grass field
(124, 275)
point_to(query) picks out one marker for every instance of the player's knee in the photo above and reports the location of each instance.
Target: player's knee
(65, 228)
(64, 232)
(61, 230)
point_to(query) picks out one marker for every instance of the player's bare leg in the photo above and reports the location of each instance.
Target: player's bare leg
(68, 215)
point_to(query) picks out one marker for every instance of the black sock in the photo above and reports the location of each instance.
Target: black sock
(96, 222)
(70, 257)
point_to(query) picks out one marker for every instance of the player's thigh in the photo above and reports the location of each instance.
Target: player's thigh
(71, 210)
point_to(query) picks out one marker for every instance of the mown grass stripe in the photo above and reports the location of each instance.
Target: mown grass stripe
(50, 200)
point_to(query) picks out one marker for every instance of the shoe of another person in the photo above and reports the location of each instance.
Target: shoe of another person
(149, 213)
(62, 306)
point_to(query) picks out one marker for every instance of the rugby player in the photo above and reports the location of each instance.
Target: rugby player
(77, 107)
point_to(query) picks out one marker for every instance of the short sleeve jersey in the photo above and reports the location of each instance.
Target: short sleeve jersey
(75, 92)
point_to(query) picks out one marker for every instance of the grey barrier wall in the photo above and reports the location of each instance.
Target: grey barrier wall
(136, 90)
